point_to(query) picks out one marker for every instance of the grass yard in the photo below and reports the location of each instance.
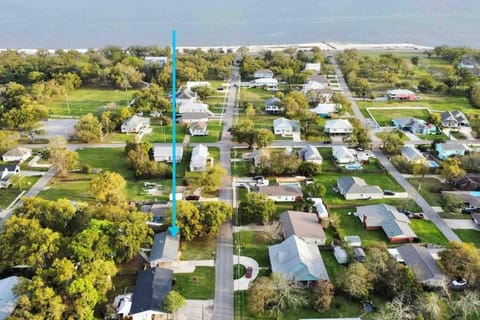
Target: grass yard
(333, 267)
(241, 168)
(384, 117)
(427, 232)
(75, 189)
(199, 249)
(471, 236)
(350, 225)
(85, 100)
(255, 96)
(197, 285)
(382, 135)
(429, 190)
(254, 245)
(9, 194)
(164, 133)
(238, 271)
(214, 133)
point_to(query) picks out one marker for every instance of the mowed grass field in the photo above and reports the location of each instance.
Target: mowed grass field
(84, 100)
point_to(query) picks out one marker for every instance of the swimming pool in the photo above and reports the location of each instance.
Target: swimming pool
(432, 164)
(353, 166)
(475, 193)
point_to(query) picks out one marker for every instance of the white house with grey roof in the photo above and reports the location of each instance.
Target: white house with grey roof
(338, 126)
(304, 225)
(453, 119)
(281, 193)
(191, 117)
(324, 110)
(199, 159)
(155, 60)
(198, 128)
(315, 67)
(18, 154)
(285, 127)
(165, 154)
(164, 249)
(263, 73)
(421, 262)
(396, 225)
(342, 155)
(297, 260)
(186, 96)
(354, 188)
(151, 288)
(311, 154)
(273, 105)
(191, 107)
(412, 154)
(134, 124)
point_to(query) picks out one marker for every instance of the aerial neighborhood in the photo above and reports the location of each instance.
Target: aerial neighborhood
(305, 184)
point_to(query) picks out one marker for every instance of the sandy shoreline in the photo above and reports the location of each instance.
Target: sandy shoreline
(324, 46)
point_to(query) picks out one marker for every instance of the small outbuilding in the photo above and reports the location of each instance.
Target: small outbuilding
(17, 154)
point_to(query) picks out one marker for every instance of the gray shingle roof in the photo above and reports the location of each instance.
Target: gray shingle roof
(421, 262)
(151, 288)
(280, 190)
(352, 185)
(301, 224)
(165, 247)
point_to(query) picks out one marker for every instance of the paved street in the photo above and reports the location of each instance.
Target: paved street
(427, 209)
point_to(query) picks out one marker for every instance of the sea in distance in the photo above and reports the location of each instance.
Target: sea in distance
(97, 23)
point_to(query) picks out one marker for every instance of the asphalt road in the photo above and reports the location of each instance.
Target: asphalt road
(223, 303)
(414, 194)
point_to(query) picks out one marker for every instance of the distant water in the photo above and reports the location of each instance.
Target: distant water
(96, 23)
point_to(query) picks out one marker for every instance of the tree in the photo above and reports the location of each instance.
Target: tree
(203, 92)
(260, 295)
(214, 215)
(288, 295)
(173, 302)
(475, 95)
(396, 309)
(420, 169)
(467, 304)
(360, 135)
(189, 220)
(309, 169)
(125, 76)
(430, 305)
(108, 188)
(88, 128)
(461, 260)
(14, 96)
(324, 292)
(8, 140)
(62, 159)
(434, 118)
(249, 111)
(357, 281)
(257, 208)
(92, 243)
(25, 117)
(451, 170)
(426, 83)
(452, 203)
(84, 296)
(25, 242)
(60, 274)
(211, 179)
(415, 60)
(69, 80)
(263, 137)
(392, 142)
(151, 99)
(99, 273)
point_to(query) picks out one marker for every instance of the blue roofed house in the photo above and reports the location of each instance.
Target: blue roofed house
(450, 149)
(297, 260)
(414, 125)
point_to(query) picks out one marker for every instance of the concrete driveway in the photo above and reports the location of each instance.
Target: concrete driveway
(461, 224)
(244, 282)
(196, 309)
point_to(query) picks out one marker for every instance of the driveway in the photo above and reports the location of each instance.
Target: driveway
(461, 224)
(243, 282)
(196, 309)
(187, 266)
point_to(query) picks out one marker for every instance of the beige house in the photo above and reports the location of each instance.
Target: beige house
(304, 225)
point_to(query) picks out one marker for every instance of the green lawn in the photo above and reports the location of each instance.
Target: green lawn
(384, 117)
(74, 190)
(199, 249)
(429, 190)
(164, 133)
(254, 245)
(85, 100)
(9, 194)
(238, 271)
(382, 135)
(333, 267)
(197, 285)
(256, 96)
(427, 232)
(471, 236)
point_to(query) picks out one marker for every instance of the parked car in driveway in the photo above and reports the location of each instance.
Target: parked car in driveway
(388, 193)
(192, 198)
(417, 215)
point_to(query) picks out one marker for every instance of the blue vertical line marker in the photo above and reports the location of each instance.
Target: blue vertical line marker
(174, 228)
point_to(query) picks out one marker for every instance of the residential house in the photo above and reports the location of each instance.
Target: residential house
(134, 124)
(414, 125)
(269, 83)
(198, 128)
(315, 67)
(8, 298)
(158, 211)
(319, 79)
(338, 126)
(424, 266)
(340, 254)
(304, 225)
(17, 154)
(401, 94)
(165, 153)
(272, 105)
(470, 182)
(314, 85)
(320, 209)
(258, 155)
(186, 96)
(151, 288)
(164, 249)
(281, 193)
(311, 154)
(199, 159)
(192, 107)
(342, 155)
(453, 119)
(6, 172)
(450, 149)
(470, 63)
(471, 200)
(395, 225)
(297, 260)
(324, 110)
(155, 60)
(354, 188)
(190, 117)
(323, 95)
(263, 73)
(412, 154)
(286, 127)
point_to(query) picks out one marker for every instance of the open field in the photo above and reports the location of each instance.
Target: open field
(197, 285)
(85, 100)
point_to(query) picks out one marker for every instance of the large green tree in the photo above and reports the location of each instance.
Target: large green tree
(62, 159)
(108, 188)
(88, 128)
(461, 260)
(256, 208)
